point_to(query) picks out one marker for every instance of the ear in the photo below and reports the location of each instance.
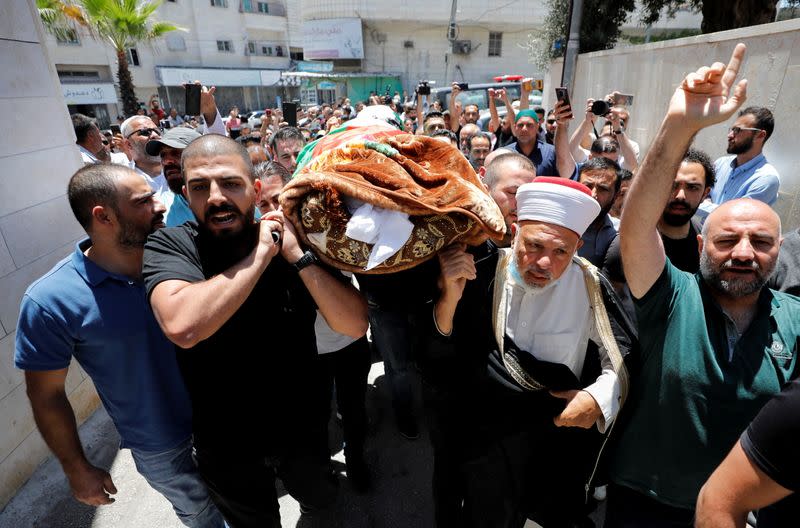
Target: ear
(257, 186)
(579, 245)
(102, 216)
(184, 192)
(514, 229)
(706, 193)
(700, 244)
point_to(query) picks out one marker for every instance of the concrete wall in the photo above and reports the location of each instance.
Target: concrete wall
(36, 226)
(651, 72)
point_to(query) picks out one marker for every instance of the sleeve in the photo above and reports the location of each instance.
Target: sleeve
(612, 266)
(217, 127)
(43, 341)
(770, 442)
(765, 187)
(656, 303)
(166, 258)
(606, 389)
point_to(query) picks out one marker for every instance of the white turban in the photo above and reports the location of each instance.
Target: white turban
(558, 201)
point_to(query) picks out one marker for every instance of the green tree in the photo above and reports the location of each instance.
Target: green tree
(122, 23)
(602, 19)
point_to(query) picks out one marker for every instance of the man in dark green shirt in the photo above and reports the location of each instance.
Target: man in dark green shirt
(715, 346)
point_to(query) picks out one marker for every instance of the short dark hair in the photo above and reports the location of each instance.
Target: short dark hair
(604, 145)
(694, 155)
(481, 134)
(493, 170)
(764, 118)
(432, 114)
(625, 175)
(602, 164)
(249, 138)
(211, 145)
(94, 185)
(82, 125)
(444, 132)
(267, 169)
(286, 134)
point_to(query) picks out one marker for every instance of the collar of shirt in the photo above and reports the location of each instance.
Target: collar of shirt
(87, 153)
(750, 165)
(91, 272)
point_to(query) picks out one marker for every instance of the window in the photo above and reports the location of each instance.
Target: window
(69, 36)
(263, 7)
(81, 75)
(133, 57)
(225, 46)
(296, 54)
(175, 43)
(219, 3)
(495, 43)
(266, 50)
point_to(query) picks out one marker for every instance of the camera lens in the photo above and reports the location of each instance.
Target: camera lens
(600, 108)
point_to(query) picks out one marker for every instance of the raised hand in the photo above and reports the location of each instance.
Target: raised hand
(562, 113)
(704, 97)
(457, 266)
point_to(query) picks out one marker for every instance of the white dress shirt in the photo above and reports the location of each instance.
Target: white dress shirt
(555, 324)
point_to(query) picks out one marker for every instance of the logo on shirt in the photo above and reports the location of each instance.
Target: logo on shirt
(779, 351)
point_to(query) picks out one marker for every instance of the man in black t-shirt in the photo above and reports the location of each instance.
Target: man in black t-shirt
(677, 228)
(241, 309)
(762, 471)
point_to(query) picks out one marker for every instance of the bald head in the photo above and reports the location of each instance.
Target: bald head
(212, 145)
(504, 163)
(743, 210)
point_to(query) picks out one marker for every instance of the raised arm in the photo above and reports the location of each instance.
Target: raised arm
(190, 312)
(625, 146)
(581, 132)
(455, 112)
(564, 160)
(701, 100)
(55, 419)
(494, 122)
(524, 94)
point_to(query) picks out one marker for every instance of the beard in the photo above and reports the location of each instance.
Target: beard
(133, 236)
(738, 286)
(229, 234)
(678, 219)
(742, 146)
(174, 180)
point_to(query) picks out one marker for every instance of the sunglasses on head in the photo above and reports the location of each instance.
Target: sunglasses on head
(144, 132)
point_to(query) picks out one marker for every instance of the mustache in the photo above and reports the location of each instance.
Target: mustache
(224, 208)
(735, 263)
(682, 203)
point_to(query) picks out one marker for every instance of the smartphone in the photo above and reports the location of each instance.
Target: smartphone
(424, 89)
(621, 99)
(562, 95)
(193, 99)
(463, 86)
(114, 129)
(268, 112)
(290, 113)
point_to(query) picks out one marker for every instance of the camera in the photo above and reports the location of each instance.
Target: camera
(424, 88)
(601, 107)
(165, 124)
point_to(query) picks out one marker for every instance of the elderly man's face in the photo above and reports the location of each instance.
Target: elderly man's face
(739, 247)
(543, 251)
(143, 130)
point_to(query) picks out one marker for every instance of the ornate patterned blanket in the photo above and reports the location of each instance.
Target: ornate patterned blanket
(425, 178)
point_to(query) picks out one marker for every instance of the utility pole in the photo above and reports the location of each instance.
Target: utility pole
(452, 32)
(573, 45)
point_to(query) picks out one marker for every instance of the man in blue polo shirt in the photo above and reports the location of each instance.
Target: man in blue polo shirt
(746, 174)
(716, 345)
(92, 306)
(526, 130)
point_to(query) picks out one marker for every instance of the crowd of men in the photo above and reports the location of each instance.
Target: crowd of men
(633, 336)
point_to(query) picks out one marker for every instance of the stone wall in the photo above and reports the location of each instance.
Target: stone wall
(652, 71)
(37, 229)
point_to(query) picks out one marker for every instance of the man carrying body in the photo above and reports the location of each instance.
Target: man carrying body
(212, 285)
(715, 346)
(519, 371)
(746, 174)
(92, 306)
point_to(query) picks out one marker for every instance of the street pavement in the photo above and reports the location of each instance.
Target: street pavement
(400, 497)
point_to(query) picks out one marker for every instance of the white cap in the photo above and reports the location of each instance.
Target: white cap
(557, 201)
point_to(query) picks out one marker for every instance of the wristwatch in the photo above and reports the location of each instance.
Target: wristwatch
(305, 261)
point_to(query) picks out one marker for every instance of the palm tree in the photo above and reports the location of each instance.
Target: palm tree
(123, 23)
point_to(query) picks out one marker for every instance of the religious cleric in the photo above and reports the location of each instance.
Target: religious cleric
(525, 370)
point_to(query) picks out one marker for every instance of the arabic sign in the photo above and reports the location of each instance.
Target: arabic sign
(77, 94)
(314, 67)
(334, 38)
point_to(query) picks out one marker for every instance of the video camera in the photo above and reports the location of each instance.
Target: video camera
(424, 88)
(602, 107)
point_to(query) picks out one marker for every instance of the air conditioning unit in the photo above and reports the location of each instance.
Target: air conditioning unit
(462, 47)
(408, 43)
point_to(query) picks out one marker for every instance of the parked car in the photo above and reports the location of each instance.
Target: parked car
(254, 119)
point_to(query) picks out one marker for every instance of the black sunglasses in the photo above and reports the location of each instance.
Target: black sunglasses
(144, 132)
